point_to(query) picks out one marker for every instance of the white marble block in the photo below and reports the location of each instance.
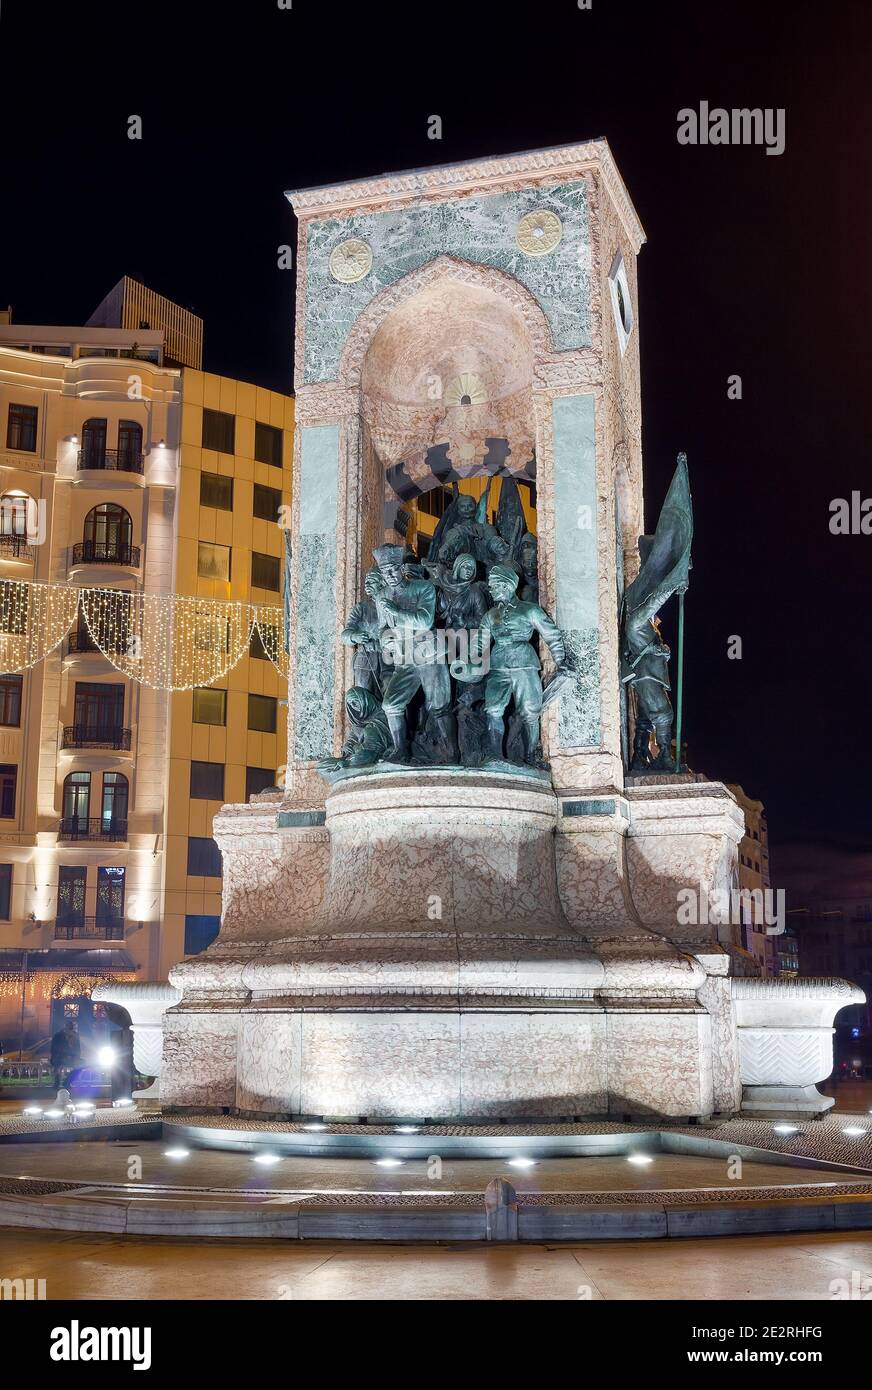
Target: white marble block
(785, 1034)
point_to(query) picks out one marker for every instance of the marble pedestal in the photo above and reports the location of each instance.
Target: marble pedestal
(431, 972)
(456, 944)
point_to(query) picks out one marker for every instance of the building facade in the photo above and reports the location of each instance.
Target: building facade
(121, 471)
(753, 873)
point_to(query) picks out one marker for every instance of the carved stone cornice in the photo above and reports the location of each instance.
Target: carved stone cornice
(560, 162)
(324, 402)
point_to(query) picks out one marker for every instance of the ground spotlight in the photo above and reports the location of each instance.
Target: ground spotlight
(177, 1153)
(389, 1163)
(639, 1159)
(522, 1163)
(267, 1160)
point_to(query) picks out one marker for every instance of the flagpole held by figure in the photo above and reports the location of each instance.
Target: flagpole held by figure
(664, 571)
(679, 690)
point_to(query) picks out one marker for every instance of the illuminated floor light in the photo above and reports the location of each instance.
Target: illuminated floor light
(314, 1128)
(406, 1129)
(267, 1160)
(177, 1153)
(522, 1163)
(786, 1129)
(639, 1159)
(389, 1163)
(854, 1130)
(53, 1114)
(122, 1103)
(33, 1109)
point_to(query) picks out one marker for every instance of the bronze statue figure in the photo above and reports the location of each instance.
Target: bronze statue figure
(644, 654)
(514, 662)
(406, 614)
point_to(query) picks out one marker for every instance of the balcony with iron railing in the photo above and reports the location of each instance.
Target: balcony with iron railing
(81, 642)
(89, 929)
(14, 547)
(85, 736)
(116, 460)
(105, 553)
(92, 828)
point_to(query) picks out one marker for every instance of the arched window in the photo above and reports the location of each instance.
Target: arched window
(115, 795)
(129, 445)
(77, 802)
(94, 444)
(14, 509)
(107, 534)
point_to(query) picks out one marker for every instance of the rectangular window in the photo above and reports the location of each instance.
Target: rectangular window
(210, 706)
(256, 647)
(219, 431)
(207, 781)
(216, 491)
(10, 700)
(21, 428)
(265, 571)
(213, 561)
(435, 502)
(71, 895)
(5, 891)
(257, 779)
(204, 857)
(98, 712)
(262, 713)
(8, 783)
(200, 932)
(267, 501)
(110, 896)
(267, 444)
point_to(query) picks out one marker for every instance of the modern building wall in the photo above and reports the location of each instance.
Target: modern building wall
(132, 305)
(753, 869)
(42, 743)
(241, 750)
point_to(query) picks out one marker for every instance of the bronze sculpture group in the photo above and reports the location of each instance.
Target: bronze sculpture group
(445, 670)
(446, 666)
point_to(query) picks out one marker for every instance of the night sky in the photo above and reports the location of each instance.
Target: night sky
(755, 265)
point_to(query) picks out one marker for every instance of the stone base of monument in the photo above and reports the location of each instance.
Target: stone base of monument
(785, 1102)
(451, 944)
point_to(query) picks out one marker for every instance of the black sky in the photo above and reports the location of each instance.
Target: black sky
(755, 265)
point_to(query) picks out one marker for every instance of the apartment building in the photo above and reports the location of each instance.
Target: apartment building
(120, 470)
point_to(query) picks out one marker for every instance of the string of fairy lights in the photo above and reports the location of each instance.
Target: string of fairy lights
(165, 641)
(44, 986)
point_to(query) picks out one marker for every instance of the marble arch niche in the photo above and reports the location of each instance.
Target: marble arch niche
(446, 393)
(448, 369)
(445, 358)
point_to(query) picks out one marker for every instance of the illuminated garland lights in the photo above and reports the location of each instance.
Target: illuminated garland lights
(34, 618)
(165, 641)
(42, 986)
